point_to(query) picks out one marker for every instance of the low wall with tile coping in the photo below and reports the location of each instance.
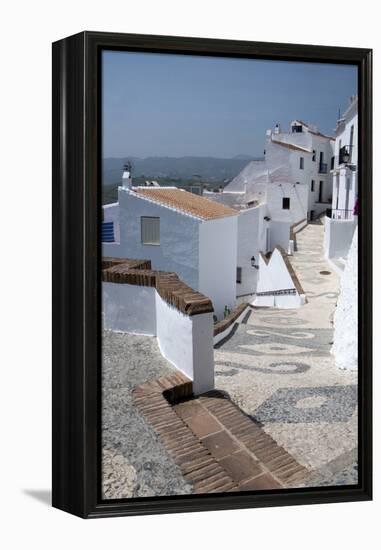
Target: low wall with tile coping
(223, 328)
(294, 229)
(142, 301)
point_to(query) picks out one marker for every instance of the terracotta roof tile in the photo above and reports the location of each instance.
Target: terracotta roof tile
(172, 289)
(186, 202)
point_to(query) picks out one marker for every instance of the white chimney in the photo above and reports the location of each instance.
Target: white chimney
(126, 178)
(277, 129)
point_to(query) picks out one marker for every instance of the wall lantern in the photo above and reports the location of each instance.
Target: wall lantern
(253, 264)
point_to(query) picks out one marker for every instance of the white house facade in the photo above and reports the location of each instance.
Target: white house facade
(342, 217)
(182, 233)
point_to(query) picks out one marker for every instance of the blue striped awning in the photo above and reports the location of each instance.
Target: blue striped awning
(108, 232)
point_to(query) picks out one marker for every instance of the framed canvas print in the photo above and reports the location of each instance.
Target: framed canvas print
(212, 274)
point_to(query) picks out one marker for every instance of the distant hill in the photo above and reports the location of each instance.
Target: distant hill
(207, 169)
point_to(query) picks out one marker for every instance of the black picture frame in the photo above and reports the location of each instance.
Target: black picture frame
(76, 273)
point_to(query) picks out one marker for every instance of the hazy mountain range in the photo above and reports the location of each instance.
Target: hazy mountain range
(208, 169)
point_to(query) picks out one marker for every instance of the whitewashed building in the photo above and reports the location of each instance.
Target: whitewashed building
(183, 233)
(342, 217)
(293, 179)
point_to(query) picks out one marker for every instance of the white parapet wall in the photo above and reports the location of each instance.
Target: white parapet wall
(338, 236)
(346, 316)
(185, 341)
(111, 214)
(217, 338)
(129, 308)
(277, 283)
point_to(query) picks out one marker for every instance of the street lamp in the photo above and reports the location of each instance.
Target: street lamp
(253, 264)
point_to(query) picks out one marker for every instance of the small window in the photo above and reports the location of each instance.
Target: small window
(150, 230)
(314, 155)
(286, 203)
(108, 232)
(239, 275)
(312, 185)
(301, 163)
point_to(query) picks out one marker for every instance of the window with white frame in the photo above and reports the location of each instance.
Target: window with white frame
(150, 230)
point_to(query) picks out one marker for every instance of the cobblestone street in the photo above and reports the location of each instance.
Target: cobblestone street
(278, 368)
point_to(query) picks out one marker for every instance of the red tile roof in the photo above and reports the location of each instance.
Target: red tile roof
(186, 202)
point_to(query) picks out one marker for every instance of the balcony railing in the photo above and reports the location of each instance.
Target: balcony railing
(323, 168)
(339, 214)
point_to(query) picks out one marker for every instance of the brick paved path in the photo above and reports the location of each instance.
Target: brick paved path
(217, 447)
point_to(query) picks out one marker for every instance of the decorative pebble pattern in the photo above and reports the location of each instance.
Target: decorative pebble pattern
(280, 359)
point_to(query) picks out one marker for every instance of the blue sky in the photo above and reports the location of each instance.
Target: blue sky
(178, 105)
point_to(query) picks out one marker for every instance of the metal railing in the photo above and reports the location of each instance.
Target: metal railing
(341, 214)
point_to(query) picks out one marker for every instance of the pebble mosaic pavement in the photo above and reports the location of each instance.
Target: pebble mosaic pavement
(278, 368)
(135, 463)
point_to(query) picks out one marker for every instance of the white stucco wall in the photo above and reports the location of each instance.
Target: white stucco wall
(203, 355)
(281, 165)
(338, 236)
(218, 262)
(298, 195)
(279, 234)
(129, 308)
(346, 315)
(275, 276)
(344, 191)
(251, 239)
(186, 342)
(179, 237)
(111, 214)
(345, 182)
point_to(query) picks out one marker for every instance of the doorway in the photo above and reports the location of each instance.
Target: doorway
(321, 186)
